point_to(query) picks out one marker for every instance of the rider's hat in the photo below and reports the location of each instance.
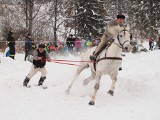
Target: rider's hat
(121, 16)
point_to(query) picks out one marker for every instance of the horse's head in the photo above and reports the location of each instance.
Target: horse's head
(123, 38)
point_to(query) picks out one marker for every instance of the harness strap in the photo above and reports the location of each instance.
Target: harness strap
(104, 47)
(106, 35)
(110, 58)
(104, 58)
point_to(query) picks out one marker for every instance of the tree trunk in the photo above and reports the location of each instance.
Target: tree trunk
(55, 23)
(26, 12)
(29, 14)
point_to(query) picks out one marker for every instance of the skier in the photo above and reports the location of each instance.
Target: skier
(40, 56)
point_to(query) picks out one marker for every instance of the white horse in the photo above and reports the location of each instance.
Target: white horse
(108, 62)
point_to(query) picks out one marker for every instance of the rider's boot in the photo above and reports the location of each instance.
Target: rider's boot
(96, 53)
(93, 56)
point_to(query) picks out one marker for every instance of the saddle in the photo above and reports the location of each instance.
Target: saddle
(95, 60)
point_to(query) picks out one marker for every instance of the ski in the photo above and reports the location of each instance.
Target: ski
(44, 87)
(41, 86)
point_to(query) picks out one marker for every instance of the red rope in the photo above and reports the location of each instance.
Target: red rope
(61, 61)
(70, 61)
(67, 62)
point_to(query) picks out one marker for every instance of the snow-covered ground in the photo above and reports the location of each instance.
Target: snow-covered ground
(137, 93)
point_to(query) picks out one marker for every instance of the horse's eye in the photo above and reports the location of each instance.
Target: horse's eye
(120, 35)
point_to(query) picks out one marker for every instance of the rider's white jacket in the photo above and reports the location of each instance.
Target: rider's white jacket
(112, 29)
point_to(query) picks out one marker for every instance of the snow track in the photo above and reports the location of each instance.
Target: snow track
(137, 93)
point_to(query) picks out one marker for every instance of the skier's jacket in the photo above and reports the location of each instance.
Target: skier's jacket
(39, 63)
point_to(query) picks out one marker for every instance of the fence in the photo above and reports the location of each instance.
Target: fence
(20, 44)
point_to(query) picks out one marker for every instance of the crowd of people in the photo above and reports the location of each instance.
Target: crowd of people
(72, 45)
(77, 44)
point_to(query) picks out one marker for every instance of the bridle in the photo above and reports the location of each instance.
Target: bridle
(121, 45)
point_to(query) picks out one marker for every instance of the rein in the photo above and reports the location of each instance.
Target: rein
(121, 45)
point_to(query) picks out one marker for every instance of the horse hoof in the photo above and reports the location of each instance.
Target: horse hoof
(120, 68)
(67, 91)
(91, 103)
(111, 92)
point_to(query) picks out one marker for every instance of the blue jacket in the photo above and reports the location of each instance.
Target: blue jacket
(28, 44)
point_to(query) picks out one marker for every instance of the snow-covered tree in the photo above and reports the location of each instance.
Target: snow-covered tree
(90, 17)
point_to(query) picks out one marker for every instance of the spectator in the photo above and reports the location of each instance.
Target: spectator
(11, 44)
(70, 43)
(28, 45)
(150, 43)
(60, 46)
(77, 45)
(83, 44)
(88, 42)
(158, 43)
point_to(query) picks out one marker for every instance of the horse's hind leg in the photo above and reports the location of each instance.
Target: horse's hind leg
(91, 77)
(79, 70)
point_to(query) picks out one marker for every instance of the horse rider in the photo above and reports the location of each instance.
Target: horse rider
(109, 35)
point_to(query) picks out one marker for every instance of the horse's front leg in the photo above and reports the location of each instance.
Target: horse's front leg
(96, 88)
(111, 90)
(79, 70)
